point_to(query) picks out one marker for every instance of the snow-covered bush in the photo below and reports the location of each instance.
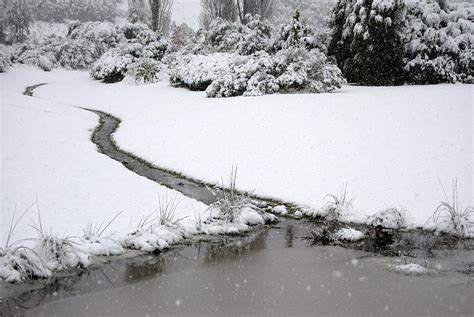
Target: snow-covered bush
(45, 63)
(348, 234)
(181, 36)
(439, 42)
(112, 66)
(288, 71)
(197, 72)
(234, 37)
(103, 35)
(367, 40)
(144, 71)
(5, 60)
(139, 56)
(392, 218)
(76, 54)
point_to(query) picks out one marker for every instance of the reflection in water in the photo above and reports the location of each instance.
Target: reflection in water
(231, 249)
(289, 236)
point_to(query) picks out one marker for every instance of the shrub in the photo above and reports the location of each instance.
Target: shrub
(5, 61)
(112, 66)
(439, 43)
(392, 218)
(144, 71)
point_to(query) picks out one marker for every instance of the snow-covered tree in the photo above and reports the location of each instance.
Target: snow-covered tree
(61, 10)
(367, 40)
(137, 11)
(160, 15)
(313, 12)
(261, 8)
(181, 35)
(213, 9)
(18, 20)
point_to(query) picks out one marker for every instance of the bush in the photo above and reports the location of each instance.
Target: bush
(5, 61)
(439, 43)
(289, 70)
(112, 66)
(144, 71)
(197, 72)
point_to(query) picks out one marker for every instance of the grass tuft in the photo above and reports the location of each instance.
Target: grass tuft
(450, 217)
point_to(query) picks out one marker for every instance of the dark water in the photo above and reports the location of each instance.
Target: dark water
(273, 271)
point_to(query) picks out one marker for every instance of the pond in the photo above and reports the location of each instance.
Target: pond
(273, 270)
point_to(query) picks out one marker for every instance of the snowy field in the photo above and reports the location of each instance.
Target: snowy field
(391, 146)
(47, 155)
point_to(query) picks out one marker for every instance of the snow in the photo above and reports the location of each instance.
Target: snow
(411, 269)
(47, 155)
(349, 234)
(391, 146)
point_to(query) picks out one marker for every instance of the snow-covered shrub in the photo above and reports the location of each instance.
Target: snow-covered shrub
(392, 218)
(144, 71)
(367, 40)
(234, 37)
(112, 66)
(45, 63)
(288, 70)
(5, 61)
(103, 35)
(439, 42)
(411, 269)
(348, 234)
(139, 56)
(181, 36)
(76, 54)
(197, 72)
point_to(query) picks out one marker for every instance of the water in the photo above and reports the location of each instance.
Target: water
(271, 271)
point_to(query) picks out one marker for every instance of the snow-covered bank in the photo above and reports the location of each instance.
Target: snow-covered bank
(390, 145)
(47, 155)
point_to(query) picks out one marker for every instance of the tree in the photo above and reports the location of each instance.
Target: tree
(367, 40)
(160, 15)
(213, 9)
(18, 20)
(137, 11)
(261, 8)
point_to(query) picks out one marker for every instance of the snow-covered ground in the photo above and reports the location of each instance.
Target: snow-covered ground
(47, 155)
(391, 146)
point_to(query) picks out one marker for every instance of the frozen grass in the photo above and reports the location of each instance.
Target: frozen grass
(57, 252)
(18, 263)
(336, 206)
(231, 201)
(94, 230)
(167, 211)
(451, 217)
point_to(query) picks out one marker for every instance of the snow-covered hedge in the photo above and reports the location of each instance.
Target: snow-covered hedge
(5, 59)
(439, 42)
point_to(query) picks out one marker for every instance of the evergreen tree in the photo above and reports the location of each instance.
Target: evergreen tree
(367, 40)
